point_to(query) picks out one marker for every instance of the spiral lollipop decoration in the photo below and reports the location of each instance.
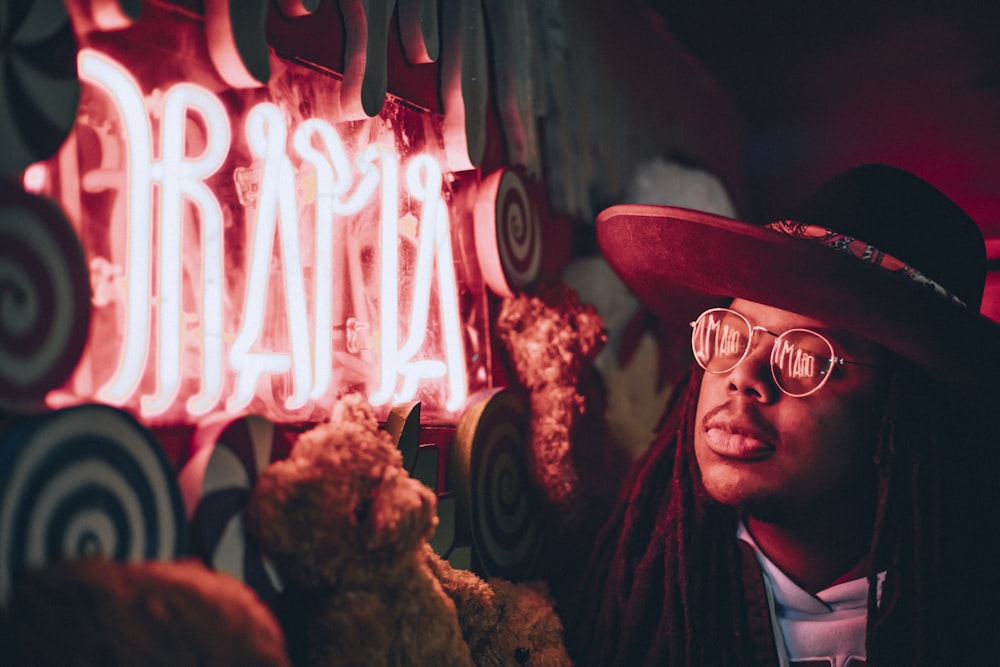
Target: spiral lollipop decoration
(85, 481)
(508, 233)
(492, 483)
(44, 299)
(40, 87)
(216, 483)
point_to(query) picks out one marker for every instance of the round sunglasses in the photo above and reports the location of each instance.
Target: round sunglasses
(801, 359)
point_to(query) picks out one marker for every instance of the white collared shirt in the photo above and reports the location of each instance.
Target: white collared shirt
(827, 628)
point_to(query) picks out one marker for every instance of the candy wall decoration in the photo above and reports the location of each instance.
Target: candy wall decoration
(107, 14)
(237, 43)
(366, 25)
(294, 8)
(85, 481)
(418, 30)
(422, 461)
(508, 233)
(39, 87)
(216, 482)
(403, 424)
(464, 83)
(44, 298)
(236, 33)
(39, 62)
(445, 540)
(515, 61)
(492, 484)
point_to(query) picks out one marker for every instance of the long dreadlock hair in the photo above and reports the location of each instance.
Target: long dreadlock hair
(665, 585)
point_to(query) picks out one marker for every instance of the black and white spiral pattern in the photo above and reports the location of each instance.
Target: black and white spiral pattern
(39, 86)
(85, 481)
(216, 483)
(44, 299)
(493, 484)
(519, 233)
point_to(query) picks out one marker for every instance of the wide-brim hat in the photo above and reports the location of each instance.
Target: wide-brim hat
(875, 251)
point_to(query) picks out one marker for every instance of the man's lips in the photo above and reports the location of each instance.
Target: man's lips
(738, 435)
(734, 445)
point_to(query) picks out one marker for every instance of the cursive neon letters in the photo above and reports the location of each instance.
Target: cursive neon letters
(163, 182)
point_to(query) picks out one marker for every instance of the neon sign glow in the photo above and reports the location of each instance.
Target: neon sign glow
(250, 255)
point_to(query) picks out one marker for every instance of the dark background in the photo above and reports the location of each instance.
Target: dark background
(823, 85)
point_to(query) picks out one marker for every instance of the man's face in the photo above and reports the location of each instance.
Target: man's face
(777, 457)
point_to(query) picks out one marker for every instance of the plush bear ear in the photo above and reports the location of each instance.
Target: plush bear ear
(403, 513)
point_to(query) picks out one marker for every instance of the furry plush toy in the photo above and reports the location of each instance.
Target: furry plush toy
(99, 613)
(505, 624)
(550, 340)
(346, 526)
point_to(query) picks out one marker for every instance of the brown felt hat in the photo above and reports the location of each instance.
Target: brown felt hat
(876, 251)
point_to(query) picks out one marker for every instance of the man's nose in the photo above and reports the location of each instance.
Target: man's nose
(752, 376)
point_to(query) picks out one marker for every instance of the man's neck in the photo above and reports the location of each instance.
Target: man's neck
(815, 554)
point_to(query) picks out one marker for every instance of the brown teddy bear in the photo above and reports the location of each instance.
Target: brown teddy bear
(100, 613)
(550, 340)
(505, 624)
(345, 526)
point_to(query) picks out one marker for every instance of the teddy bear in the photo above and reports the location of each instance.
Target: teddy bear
(346, 527)
(549, 342)
(505, 624)
(94, 612)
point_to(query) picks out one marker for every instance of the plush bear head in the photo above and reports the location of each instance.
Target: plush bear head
(345, 526)
(505, 624)
(340, 511)
(529, 629)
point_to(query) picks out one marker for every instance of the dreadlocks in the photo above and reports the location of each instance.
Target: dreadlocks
(935, 528)
(667, 583)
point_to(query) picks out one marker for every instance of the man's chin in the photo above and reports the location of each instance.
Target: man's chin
(760, 506)
(765, 510)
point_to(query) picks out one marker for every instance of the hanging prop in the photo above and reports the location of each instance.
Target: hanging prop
(237, 41)
(464, 83)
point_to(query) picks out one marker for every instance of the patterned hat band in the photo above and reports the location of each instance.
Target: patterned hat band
(861, 251)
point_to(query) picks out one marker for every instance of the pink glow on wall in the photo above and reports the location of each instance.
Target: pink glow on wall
(250, 253)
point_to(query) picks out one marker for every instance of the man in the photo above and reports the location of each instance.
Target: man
(821, 492)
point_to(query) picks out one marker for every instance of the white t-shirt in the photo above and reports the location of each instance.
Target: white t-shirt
(827, 628)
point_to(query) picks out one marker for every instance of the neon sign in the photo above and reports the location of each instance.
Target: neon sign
(249, 254)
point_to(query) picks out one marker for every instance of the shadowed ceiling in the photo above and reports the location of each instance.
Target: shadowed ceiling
(825, 85)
